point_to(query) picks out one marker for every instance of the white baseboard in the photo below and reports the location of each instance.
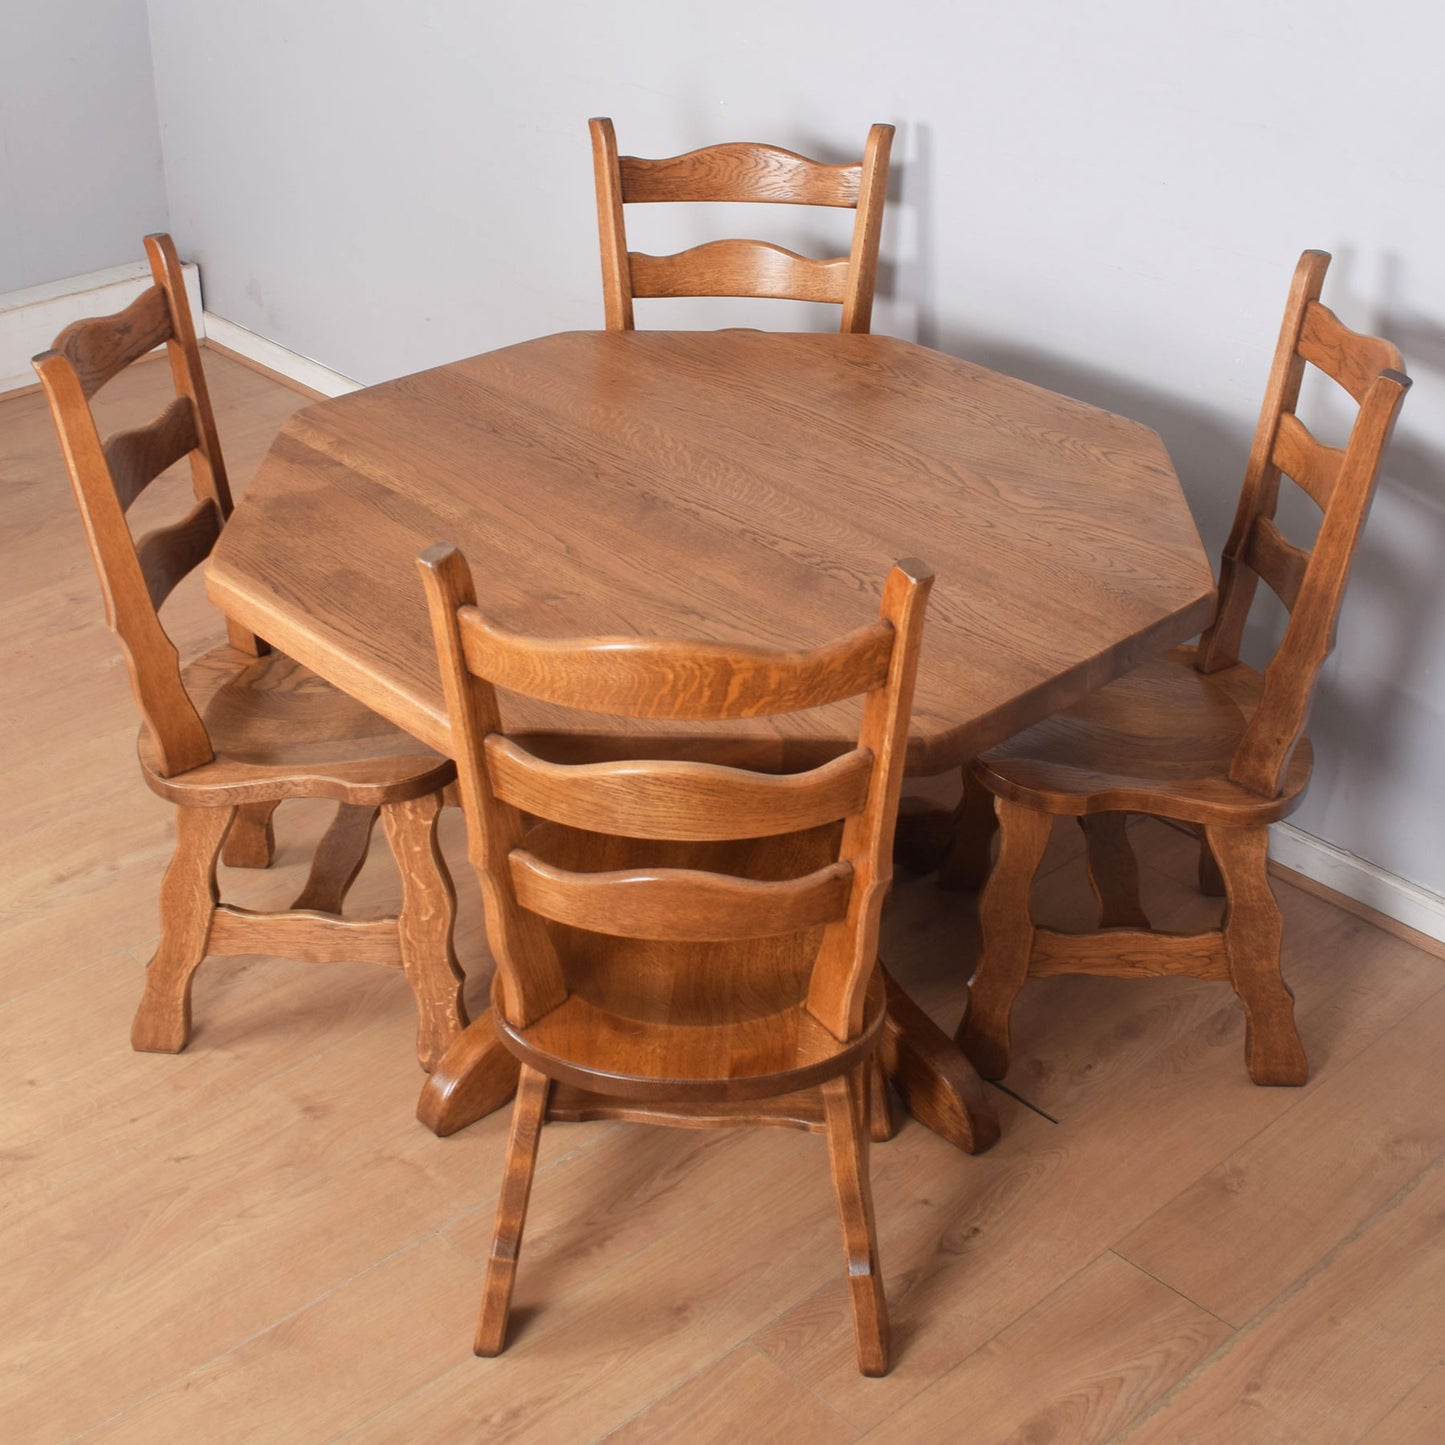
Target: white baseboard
(1346, 873)
(268, 354)
(31, 319)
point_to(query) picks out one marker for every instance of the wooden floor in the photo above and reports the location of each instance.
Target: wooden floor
(254, 1240)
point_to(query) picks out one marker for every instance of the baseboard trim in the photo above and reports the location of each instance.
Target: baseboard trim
(1385, 899)
(31, 319)
(275, 360)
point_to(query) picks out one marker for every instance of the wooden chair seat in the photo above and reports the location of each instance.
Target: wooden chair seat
(655, 1057)
(279, 731)
(1159, 740)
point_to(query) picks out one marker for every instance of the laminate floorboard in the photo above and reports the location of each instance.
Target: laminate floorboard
(255, 1241)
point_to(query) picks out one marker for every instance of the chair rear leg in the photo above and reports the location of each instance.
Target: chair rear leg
(338, 858)
(966, 864)
(188, 901)
(428, 906)
(1008, 938)
(877, 1104)
(528, 1114)
(1211, 880)
(1113, 870)
(1252, 934)
(251, 841)
(848, 1156)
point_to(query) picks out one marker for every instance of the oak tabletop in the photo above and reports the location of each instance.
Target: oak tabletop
(731, 486)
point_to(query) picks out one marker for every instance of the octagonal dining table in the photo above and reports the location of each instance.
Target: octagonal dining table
(731, 486)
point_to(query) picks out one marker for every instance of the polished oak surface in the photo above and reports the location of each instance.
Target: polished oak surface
(724, 486)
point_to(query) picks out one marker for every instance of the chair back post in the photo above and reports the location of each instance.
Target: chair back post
(151, 659)
(208, 468)
(527, 963)
(867, 231)
(848, 954)
(1309, 582)
(1279, 721)
(611, 228)
(1219, 645)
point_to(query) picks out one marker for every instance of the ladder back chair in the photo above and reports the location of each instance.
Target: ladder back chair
(230, 736)
(1198, 736)
(683, 942)
(740, 171)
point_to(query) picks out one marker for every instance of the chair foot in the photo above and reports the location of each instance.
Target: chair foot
(848, 1156)
(188, 900)
(528, 1114)
(1007, 938)
(428, 906)
(251, 841)
(1274, 1054)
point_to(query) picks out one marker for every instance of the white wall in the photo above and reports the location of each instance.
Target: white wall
(80, 151)
(1106, 198)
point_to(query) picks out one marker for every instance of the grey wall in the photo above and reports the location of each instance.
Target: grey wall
(1105, 198)
(80, 151)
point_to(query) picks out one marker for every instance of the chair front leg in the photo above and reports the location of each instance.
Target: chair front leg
(251, 841)
(848, 1157)
(1252, 934)
(428, 906)
(188, 902)
(1113, 870)
(1007, 931)
(528, 1114)
(338, 858)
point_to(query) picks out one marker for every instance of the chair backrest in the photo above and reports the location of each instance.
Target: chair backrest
(1341, 481)
(689, 802)
(136, 577)
(740, 172)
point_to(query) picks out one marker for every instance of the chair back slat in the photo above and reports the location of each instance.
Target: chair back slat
(677, 801)
(676, 805)
(101, 347)
(1310, 582)
(1350, 358)
(108, 476)
(1301, 456)
(680, 905)
(169, 554)
(634, 677)
(739, 268)
(740, 172)
(1276, 561)
(137, 457)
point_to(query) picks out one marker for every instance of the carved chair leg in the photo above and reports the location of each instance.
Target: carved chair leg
(1008, 936)
(251, 841)
(974, 823)
(188, 901)
(1211, 880)
(877, 1102)
(428, 905)
(1113, 870)
(848, 1156)
(1252, 932)
(528, 1114)
(338, 858)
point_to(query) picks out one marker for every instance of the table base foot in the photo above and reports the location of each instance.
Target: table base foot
(475, 1077)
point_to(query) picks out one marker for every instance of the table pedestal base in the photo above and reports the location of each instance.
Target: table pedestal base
(936, 1083)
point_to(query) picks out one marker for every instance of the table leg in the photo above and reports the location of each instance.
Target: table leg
(936, 1082)
(475, 1077)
